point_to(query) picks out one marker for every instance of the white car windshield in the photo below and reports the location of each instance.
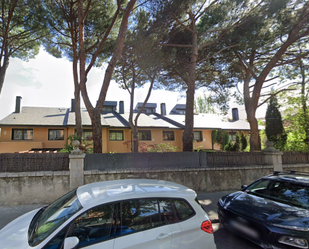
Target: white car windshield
(48, 219)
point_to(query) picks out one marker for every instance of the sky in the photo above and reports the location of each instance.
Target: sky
(48, 82)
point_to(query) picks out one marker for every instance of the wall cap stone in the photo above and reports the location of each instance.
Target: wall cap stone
(34, 174)
(99, 172)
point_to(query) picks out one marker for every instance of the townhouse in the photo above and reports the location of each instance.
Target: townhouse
(42, 128)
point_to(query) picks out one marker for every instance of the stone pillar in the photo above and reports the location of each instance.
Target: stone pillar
(273, 156)
(76, 166)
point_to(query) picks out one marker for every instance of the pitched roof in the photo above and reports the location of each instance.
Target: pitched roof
(177, 108)
(211, 121)
(46, 116)
(37, 116)
(86, 121)
(150, 121)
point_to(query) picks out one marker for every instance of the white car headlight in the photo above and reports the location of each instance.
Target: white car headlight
(221, 202)
(292, 241)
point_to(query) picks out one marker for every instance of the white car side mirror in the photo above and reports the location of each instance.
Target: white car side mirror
(70, 243)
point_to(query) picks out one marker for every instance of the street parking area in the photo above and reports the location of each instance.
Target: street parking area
(223, 238)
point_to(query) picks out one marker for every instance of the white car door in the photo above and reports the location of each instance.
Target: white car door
(106, 245)
(143, 224)
(95, 228)
(155, 238)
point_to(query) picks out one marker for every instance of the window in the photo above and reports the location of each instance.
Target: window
(108, 221)
(56, 243)
(184, 210)
(53, 216)
(286, 192)
(167, 211)
(139, 215)
(86, 135)
(95, 225)
(147, 110)
(22, 134)
(232, 136)
(56, 134)
(116, 136)
(198, 136)
(107, 109)
(144, 135)
(168, 136)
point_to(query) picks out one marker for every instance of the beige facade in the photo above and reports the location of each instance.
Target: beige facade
(35, 128)
(40, 140)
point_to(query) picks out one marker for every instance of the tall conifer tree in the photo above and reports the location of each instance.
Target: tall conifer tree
(274, 127)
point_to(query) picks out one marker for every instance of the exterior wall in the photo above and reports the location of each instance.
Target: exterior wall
(11, 147)
(69, 131)
(45, 187)
(125, 145)
(157, 138)
(206, 144)
(32, 187)
(104, 140)
(6, 134)
(40, 140)
(201, 180)
(119, 146)
(41, 134)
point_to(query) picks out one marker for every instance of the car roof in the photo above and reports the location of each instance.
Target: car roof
(110, 191)
(296, 177)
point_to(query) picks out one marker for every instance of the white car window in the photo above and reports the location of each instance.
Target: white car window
(94, 226)
(142, 224)
(138, 215)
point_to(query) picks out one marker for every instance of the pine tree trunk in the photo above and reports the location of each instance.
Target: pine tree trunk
(255, 140)
(96, 130)
(187, 138)
(135, 139)
(3, 69)
(188, 132)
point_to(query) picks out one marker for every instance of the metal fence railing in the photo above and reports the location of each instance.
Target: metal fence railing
(25, 162)
(172, 160)
(234, 159)
(143, 161)
(291, 157)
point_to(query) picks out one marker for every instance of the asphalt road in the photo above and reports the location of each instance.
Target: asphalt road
(223, 238)
(226, 240)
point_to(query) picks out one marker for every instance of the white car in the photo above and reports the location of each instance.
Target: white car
(120, 214)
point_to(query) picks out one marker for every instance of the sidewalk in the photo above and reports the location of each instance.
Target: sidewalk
(208, 200)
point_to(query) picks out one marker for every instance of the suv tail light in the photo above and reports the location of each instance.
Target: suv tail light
(207, 226)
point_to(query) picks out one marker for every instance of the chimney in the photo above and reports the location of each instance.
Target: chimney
(121, 107)
(17, 105)
(235, 114)
(163, 109)
(72, 105)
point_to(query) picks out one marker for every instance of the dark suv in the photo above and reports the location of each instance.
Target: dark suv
(273, 211)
